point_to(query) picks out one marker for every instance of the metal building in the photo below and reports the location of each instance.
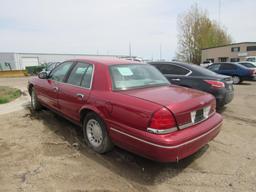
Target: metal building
(19, 61)
(229, 53)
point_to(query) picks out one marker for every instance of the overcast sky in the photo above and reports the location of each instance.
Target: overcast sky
(107, 26)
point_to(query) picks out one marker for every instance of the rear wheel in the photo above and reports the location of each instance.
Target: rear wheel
(95, 133)
(35, 105)
(236, 79)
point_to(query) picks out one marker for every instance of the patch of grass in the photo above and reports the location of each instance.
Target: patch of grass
(8, 94)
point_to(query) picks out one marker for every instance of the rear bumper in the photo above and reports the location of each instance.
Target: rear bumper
(170, 147)
(224, 97)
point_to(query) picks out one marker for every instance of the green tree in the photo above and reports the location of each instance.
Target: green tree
(198, 31)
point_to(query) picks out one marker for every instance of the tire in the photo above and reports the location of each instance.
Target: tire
(95, 133)
(35, 105)
(236, 80)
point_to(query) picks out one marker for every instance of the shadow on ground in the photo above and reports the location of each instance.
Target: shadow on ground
(122, 162)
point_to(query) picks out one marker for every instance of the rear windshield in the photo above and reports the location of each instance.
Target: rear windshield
(132, 76)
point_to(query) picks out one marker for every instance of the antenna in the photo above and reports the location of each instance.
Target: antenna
(160, 52)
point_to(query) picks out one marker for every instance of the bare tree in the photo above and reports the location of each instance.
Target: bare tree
(197, 31)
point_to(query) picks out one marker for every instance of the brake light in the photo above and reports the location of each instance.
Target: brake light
(253, 71)
(215, 84)
(162, 122)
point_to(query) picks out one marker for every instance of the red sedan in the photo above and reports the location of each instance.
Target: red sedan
(130, 105)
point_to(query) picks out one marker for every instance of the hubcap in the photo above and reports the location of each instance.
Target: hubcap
(94, 133)
(236, 79)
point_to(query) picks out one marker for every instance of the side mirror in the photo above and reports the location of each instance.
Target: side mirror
(43, 75)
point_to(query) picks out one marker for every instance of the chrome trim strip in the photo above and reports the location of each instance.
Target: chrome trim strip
(162, 131)
(163, 146)
(191, 124)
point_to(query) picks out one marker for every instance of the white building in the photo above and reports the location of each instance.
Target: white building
(20, 61)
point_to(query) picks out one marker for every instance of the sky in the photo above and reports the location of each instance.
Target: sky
(108, 26)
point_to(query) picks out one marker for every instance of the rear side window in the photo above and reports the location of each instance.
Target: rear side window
(87, 78)
(227, 67)
(59, 73)
(168, 69)
(77, 74)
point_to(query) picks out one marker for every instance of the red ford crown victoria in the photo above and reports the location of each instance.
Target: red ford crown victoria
(130, 105)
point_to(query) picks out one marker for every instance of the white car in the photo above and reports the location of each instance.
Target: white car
(248, 64)
(251, 59)
(206, 64)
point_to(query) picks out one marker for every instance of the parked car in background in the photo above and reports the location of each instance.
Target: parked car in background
(251, 59)
(238, 72)
(206, 64)
(128, 104)
(248, 64)
(193, 76)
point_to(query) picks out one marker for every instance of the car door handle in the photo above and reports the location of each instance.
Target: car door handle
(55, 89)
(80, 95)
(175, 79)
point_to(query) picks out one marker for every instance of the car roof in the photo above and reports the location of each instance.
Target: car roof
(106, 60)
(196, 69)
(186, 65)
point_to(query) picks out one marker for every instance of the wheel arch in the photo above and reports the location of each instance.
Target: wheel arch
(30, 86)
(87, 109)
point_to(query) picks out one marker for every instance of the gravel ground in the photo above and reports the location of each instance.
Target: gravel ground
(44, 152)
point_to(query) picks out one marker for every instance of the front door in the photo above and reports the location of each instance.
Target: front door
(49, 88)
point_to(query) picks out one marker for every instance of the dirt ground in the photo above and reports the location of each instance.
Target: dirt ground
(45, 152)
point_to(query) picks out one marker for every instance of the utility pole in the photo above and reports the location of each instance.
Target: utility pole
(130, 50)
(160, 52)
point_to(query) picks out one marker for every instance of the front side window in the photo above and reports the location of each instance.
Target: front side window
(132, 76)
(77, 74)
(173, 70)
(59, 73)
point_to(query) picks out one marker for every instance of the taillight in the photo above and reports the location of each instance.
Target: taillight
(162, 122)
(253, 71)
(215, 84)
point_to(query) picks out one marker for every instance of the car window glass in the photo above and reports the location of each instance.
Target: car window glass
(228, 67)
(77, 73)
(59, 73)
(215, 67)
(249, 65)
(168, 69)
(87, 78)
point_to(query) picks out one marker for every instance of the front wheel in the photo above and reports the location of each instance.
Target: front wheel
(35, 105)
(95, 133)
(236, 79)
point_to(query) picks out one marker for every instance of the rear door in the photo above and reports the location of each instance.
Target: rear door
(74, 93)
(175, 74)
(47, 90)
(228, 69)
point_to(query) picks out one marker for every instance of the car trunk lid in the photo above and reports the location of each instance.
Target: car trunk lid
(187, 105)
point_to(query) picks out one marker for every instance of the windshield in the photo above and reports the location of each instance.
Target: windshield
(133, 76)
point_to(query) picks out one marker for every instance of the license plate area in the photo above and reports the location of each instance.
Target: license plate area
(200, 115)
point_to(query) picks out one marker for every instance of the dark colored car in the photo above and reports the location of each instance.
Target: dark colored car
(238, 72)
(193, 76)
(128, 104)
